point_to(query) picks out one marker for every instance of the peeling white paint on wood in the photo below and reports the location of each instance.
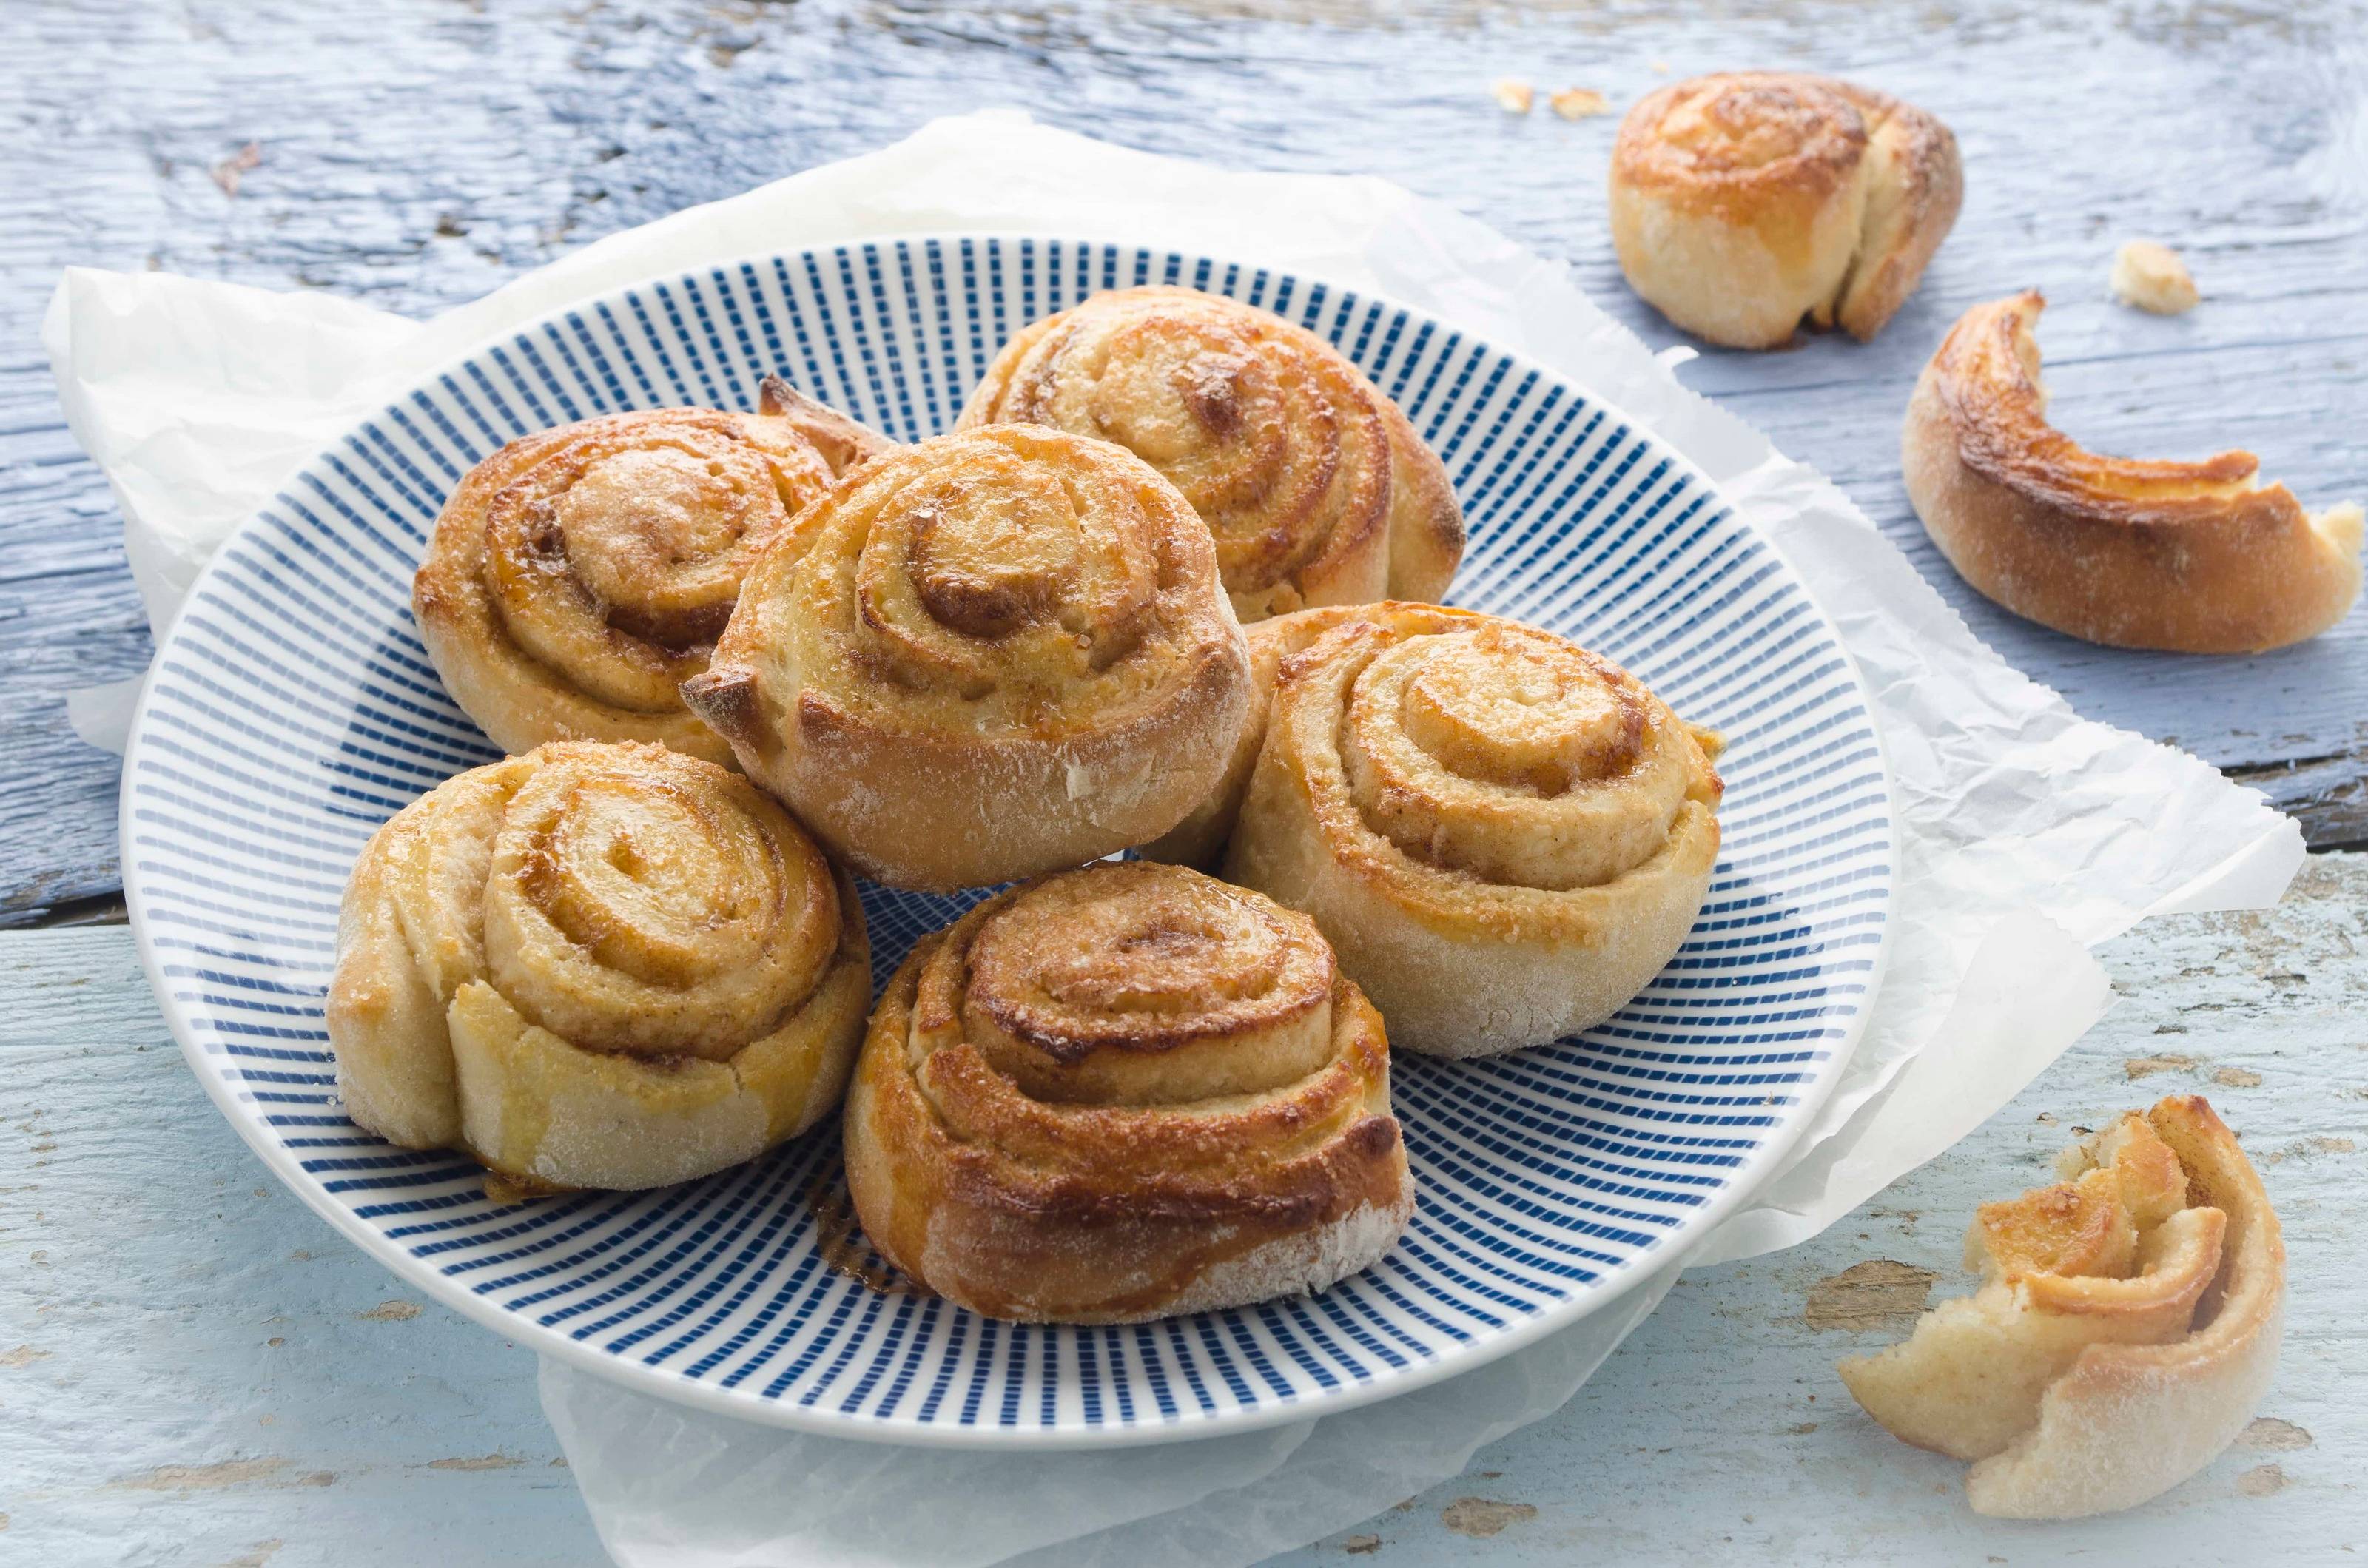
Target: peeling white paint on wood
(200, 1371)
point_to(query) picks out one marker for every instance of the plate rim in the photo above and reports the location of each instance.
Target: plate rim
(781, 1415)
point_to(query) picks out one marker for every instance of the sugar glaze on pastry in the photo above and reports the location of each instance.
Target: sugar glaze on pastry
(1504, 835)
(1745, 202)
(2124, 1331)
(1316, 489)
(1124, 1092)
(597, 966)
(578, 576)
(997, 652)
(2187, 557)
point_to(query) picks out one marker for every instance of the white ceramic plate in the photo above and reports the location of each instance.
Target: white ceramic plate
(291, 710)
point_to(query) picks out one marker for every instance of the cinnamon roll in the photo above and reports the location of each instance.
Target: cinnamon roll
(997, 652)
(597, 966)
(1743, 202)
(1315, 486)
(577, 578)
(1503, 835)
(1121, 1093)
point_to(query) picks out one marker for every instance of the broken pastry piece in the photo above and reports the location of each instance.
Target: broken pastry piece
(2126, 1329)
(2152, 278)
(1744, 202)
(2189, 557)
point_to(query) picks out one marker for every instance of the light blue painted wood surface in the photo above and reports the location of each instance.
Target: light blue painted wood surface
(194, 1369)
(415, 153)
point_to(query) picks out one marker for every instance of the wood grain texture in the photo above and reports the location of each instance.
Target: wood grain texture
(195, 1370)
(414, 153)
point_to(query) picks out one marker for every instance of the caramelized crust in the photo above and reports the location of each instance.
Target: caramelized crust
(2126, 1328)
(993, 654)
(2189, 557)
(1315, 487)
(1121, 1093)
(1742, 202)
(577, 578)
(595, 965)
(1503, 835)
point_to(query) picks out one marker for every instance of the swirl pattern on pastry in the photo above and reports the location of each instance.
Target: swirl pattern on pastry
(2124, 1331)
(577, 578)
(1124, 1092)
(1743, 202)
(596, 965)
(1199, 839)
(993, 654)
(1503, 835)
(1315, 487)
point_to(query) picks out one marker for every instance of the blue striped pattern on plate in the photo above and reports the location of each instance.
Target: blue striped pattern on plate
(291, 710)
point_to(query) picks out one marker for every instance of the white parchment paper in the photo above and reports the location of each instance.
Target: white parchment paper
(2027, 836)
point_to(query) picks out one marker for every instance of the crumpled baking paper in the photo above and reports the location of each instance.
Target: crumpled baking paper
(2027, 835)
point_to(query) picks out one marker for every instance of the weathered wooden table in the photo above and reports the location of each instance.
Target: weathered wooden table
(194, 1369)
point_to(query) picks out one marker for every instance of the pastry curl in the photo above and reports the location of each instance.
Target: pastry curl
(2127, 1327)
(2189, 557)
(577, 578)
(597, 966)
(1121, 1093)
(1199, 839)
(1744, 202)
(1315, 487)
(997, 652)
(1503, 835)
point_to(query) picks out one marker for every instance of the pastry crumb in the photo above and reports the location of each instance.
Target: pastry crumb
(1513, 94)
(1660, 68)
(1578, 103)
(2152, 278)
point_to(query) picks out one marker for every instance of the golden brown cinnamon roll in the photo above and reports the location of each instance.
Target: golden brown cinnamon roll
(1743, 202)
(577, 578)
(1121, 1093)
(596, 965)
(1315, 487)
(2189, 557)
(1504, 835)
(2125, 1330)
(993, 654)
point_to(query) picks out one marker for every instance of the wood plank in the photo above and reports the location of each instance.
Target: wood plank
(417, 154)
(193, 1368)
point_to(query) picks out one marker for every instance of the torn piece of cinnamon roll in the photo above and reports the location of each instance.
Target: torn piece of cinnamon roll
(1745, 202)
